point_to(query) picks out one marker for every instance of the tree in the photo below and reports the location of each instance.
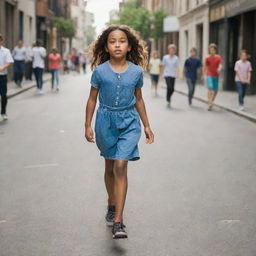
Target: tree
(90, 34)
(157, 24)
(136, 17)
(65, 28)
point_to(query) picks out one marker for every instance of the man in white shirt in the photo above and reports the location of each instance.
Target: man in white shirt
(39, 54)
(5, 61)
(19, 56)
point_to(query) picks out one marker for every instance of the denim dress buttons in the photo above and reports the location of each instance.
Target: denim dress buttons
(117, 126)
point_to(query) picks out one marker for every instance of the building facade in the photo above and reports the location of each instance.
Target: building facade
(78, 15)
(17, 22)
(232, 28)
(170, 7)
(193, 17)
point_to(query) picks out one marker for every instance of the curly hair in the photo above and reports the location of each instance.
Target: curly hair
(138, 54)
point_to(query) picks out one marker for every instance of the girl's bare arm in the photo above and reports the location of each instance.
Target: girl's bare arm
(140, 106)
(90, 107)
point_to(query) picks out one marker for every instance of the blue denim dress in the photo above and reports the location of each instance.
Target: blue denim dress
(117, 126)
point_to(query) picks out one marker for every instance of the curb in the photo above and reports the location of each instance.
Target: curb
(236, 112)
(11, 95)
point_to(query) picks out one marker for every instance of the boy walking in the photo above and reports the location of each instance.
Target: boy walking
(191, 66)
(170, 70)
(243, 69)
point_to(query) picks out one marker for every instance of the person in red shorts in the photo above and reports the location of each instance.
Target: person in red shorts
(212, 68)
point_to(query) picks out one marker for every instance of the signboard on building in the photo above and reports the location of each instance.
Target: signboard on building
(217, 13)
(238, 6)
(171, 24)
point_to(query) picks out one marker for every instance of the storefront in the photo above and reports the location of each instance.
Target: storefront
(232, 28)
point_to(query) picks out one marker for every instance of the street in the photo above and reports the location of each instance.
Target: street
(191, 194)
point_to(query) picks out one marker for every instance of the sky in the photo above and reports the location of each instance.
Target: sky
(101, 9)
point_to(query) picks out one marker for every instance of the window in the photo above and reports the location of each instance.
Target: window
(21, 25)
(187, 5)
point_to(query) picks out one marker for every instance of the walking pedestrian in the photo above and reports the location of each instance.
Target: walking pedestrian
(82, 61)
(154, 70)
(75, 60)
(39, 54)
(28, 63)
(54, 65)
(243, 69)
(5, 61)
(212, 68)
(19, 56)
(170, 71)
(118, 55)
(191, 66)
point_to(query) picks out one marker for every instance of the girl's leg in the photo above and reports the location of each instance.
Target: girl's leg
(52, 72)
(121, 185)
(57, 77)
(109, 181)
(244, 86)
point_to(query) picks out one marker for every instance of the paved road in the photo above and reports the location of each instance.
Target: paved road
(192, 193)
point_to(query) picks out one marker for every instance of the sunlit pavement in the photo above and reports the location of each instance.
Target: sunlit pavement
(192, 193)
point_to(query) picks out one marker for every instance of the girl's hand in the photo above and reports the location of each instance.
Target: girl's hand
(149, 135)
(89, 135)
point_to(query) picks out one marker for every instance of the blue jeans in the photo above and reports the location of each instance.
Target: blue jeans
(55, 77)
(18, 70)
(191, 89)
(39, 77)
(241, 88)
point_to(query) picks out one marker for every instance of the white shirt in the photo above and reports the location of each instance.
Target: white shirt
(5, 57)
(19, 53)
(170, 64)
(38, 53)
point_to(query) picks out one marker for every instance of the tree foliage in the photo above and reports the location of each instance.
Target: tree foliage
(148, 24)
(65, 27)
(157, 21)
(90, 34)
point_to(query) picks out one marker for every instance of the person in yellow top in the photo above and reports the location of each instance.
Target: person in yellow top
(154, 70)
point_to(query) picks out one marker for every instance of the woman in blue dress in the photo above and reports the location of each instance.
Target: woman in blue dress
(118, 56)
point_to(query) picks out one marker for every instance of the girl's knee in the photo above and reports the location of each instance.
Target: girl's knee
(120, 169)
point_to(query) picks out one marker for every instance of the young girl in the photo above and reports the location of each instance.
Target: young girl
(54, 65)
(154, 69)
(212, 68)
(243, 69)
(117, 55)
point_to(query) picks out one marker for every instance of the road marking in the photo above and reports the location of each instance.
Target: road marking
(3, 221)
(40, 165)
(229, 221)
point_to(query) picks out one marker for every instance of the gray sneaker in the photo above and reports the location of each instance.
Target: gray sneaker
(118, 231)
(110, 216)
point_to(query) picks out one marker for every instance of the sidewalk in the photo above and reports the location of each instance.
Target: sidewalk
(14, 90)
(225, 100)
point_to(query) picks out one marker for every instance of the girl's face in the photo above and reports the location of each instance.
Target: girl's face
(117, 44)
(212, 50)
(243, 56)
(171, 50)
